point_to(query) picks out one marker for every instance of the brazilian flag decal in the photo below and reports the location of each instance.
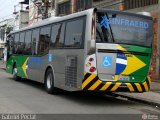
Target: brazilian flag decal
(24, 67)
(21, 64)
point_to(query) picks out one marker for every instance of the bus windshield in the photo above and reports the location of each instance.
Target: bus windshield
(118, 27)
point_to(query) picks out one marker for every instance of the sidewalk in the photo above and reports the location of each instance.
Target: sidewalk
(2, 65)
(152, 97)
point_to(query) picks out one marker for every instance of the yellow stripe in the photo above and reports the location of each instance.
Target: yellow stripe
(116, 77)
(138, 87)
(95, 85)
(130, 87)
(146, 86)
(106, 86)
(88, 80)
(116, 86)
(149, 79)
(85, 73)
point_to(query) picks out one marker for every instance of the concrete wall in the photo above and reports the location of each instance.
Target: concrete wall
(108, 4)
(24, 18)
(21, 19)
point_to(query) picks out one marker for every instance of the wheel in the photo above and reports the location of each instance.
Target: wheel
(15, 77)
(49, 82)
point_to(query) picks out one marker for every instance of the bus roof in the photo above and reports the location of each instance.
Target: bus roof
(55, 19)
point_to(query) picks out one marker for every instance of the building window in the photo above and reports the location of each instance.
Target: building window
(131, 4)
(53, 4)
(83, 4)
(2, 31)
(64, 8)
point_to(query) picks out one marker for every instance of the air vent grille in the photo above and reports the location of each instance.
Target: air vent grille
(71, 71)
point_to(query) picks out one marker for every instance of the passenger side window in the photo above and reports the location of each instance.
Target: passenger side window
(16, 43)
(57, 35)
(44, 40)
(21, 43)
(28, 43)
(35, 39)
(74, 33)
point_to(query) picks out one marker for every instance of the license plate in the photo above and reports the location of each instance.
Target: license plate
(123, 78)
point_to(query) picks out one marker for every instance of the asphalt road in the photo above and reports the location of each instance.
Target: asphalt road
(30, 97)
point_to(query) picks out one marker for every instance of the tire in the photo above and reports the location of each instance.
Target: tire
(49, 82)
(15, 77)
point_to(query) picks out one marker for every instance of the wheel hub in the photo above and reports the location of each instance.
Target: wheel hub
(49, 81)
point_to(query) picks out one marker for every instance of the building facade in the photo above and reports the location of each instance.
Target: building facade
(65, 7)
(5, 27)
(21, 19)
(40, 9)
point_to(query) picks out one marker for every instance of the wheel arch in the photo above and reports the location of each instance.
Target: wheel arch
(47, 68)
(14, 64)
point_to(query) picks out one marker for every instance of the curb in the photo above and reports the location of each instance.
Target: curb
(152, 103)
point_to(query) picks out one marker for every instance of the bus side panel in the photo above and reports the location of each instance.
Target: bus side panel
(9, 65)
(68, 67)
(37, 65)
(27, 67)
(35, 68)
(19, 61)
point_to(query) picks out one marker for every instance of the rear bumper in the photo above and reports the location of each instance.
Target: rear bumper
(91, 82)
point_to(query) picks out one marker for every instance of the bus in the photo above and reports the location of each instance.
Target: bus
(92, 50)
